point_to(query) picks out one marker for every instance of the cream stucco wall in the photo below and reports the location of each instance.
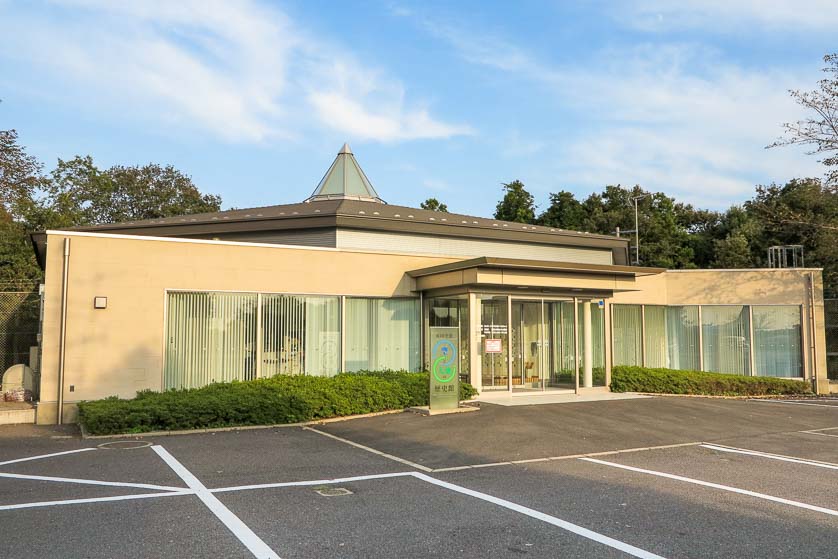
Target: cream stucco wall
(119, 350)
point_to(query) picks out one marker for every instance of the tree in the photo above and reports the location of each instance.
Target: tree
(820, 131)
(20, 177)
(20, 181)
(81, 194)
(433, 205)
(802, 212)
(732, 252)
(78, 193)
(517, 204)
(564, 212)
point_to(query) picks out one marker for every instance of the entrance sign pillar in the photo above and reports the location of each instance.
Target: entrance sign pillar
(588, 340)
(444, 342)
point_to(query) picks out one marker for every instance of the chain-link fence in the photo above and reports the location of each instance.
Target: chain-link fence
(831, 324)
(20, 311)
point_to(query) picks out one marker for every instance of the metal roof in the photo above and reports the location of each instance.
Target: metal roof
(536, 265)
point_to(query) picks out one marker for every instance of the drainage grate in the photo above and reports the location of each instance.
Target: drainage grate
(332, 491)
(125, 445)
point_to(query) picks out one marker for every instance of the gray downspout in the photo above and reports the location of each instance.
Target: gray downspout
(813, 342)
(63, 334)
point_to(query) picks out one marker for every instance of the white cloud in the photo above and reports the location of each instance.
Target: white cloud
(738, 15)
(678, 118)
(239, 70)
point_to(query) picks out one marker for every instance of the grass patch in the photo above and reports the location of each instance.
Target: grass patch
(280, 399)
(670, 381)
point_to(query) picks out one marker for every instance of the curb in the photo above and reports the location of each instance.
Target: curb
(85, 435)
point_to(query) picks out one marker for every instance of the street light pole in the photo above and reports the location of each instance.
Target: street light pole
(637, 229)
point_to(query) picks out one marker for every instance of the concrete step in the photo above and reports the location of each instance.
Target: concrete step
(15, 413)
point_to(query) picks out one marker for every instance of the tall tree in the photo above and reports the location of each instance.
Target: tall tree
(819, 131)
(20, 181)
(20, 177)
(517, 204)
(802, 212)
(81, 194)
(564, 212)
(433, 205)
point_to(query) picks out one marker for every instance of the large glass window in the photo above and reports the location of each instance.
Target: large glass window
(300, 335)
(626, 328)
(777, 337)
(210, 337)
(382, 334)
(682, 338)
(655, 336)
(726, 339)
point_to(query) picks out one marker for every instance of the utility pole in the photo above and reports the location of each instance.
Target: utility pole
(637, 229)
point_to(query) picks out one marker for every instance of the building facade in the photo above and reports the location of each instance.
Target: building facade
(345, 282)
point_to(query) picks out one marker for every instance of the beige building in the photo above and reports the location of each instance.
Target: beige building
(345, 282)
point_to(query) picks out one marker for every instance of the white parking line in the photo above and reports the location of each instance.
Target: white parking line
(309, 482)
(45, 456)
(792, 403)
(91, 482)
(780, 457)
(818, 433)
(94, 500)
(372, 450)
(233, 523)
(578, 530)
(716, 486)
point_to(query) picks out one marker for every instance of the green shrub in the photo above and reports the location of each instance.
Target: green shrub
(280, 399)
(670, 381)
(416, 384)
(565, 376)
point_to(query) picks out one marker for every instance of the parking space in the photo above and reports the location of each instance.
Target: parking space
(414, 486)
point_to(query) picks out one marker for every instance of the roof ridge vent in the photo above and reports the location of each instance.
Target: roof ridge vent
(345, 180)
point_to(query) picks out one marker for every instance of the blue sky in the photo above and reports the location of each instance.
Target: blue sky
(254, 98)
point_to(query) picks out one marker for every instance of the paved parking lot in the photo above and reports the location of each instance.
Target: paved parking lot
(661, 477)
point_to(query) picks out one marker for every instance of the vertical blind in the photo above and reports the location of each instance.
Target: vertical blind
(626, 328)
(657, 354)
(382, 334)
(682, 338)
(672, 338)
(726, 339)
(210, 337)
(300, 334)
(777, 334)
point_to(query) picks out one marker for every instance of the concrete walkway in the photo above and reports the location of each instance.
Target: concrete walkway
(552, 397)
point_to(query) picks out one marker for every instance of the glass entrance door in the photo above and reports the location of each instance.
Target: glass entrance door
(494, 342)
(528, 346)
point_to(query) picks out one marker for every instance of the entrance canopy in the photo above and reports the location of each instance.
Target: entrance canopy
(537, 276)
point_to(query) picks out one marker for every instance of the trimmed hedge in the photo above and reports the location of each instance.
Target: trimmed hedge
(280, 399)
(670, 381)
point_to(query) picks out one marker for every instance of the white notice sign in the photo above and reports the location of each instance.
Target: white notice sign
(493, 345)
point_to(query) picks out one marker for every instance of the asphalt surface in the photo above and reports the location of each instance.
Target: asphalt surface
(471, 503)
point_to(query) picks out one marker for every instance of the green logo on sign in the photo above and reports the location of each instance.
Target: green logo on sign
(444, 367)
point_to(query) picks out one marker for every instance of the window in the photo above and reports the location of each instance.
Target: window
(382, 334)
(300, 335)
(777, 335)
(726, 339)
(682, 338)
(626, 328)
(210, 337)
